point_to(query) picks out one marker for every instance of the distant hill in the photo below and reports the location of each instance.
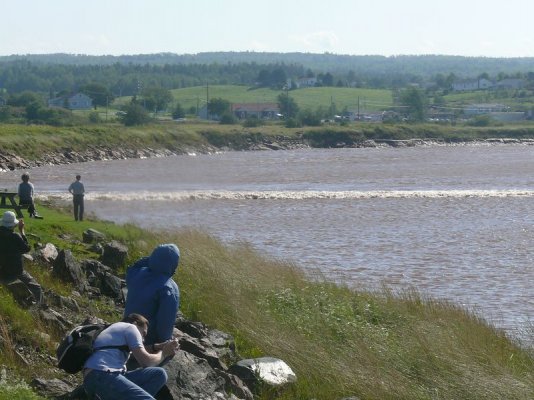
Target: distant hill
(422, 66)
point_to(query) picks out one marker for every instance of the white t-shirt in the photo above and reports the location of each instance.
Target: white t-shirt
(114, 360)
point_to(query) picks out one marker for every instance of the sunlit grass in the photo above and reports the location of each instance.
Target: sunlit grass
(339, 341)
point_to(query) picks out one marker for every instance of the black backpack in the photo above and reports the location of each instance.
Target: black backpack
(77, 346)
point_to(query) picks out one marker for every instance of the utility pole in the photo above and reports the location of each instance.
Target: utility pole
(207, 100)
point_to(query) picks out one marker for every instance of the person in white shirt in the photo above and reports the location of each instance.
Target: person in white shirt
(105, 373)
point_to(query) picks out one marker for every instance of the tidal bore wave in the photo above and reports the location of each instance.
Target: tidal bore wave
(178, 196)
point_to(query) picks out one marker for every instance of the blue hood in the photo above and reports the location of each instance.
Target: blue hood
(164, 259)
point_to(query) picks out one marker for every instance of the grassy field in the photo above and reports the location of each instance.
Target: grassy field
(369, 99)
(340, 342)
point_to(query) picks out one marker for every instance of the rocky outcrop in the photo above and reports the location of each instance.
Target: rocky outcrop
(203, 368)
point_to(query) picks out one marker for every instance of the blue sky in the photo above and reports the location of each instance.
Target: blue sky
(356, 27)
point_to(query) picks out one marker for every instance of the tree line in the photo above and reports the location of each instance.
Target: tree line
(127, 75)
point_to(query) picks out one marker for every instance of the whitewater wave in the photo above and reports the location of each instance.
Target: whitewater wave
(293, 195)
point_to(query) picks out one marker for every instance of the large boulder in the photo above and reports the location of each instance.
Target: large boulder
(52, 388)
(191, 377)
(101, 277)
(115, 254)
(48, 253)
(266, 370)
(92, 236)
(21, 293)
(55, 300)
(67, 269)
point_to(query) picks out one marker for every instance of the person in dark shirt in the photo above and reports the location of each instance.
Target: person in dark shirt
(12, 246)
(77, 190)
(25, 193)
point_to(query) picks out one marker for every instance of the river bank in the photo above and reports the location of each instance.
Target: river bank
(15, 160)
(376, 346)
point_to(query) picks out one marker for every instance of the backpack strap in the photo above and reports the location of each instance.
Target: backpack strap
(124, 348)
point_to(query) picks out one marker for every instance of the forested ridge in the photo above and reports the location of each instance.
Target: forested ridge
(124, 74)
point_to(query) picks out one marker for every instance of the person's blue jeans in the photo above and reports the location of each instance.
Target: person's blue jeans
(140, 384)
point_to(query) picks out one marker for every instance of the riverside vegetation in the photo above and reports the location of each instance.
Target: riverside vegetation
(340, 342)
(23, 146)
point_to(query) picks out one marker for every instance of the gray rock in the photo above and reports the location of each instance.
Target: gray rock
(51, 388)
(235, 385)
(267, 370)
(191, 377)
(92, 235)
(58, 301)
(54, 320)
(101, 277)
(67, 269)
(194, 347)
(48, 253)
(20, 292)
(115, 254)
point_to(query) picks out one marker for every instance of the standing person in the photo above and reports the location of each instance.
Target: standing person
(25, 193)
(12, 246)
(77, 190)
(105, 373)
(153, 293)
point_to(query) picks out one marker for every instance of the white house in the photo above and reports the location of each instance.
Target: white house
(78, 101)
(510, 83)
(467, 85)
(481, 109)
(306, 82)
(258, 110)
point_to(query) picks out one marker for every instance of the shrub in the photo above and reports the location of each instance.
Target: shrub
(94, 117)
(252, 122)
(227, 119)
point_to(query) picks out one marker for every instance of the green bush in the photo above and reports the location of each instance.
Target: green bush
(227, 119)
(94, 117)
(252, 122)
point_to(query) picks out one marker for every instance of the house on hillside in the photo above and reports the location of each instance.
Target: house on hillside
(306, 82)
(3, 101)
(258, 110)
(78, 101)
(482, 109)
(510, 83)
(476, 84)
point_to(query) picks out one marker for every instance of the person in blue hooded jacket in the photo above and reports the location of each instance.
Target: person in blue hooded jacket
(153, 293)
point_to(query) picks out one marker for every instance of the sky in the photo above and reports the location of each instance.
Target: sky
(353, 27)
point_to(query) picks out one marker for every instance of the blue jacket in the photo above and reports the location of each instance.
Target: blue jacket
(153, 293)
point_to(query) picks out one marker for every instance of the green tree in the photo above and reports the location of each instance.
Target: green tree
(134, 114)
(218, 107)
(415, 103)
(100, 94)
(228, 119)
(309, 118)
(287, 105)
(24, 99)
(178, 111)
(155, 98)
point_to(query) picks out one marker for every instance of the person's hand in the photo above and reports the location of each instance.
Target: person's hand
(21, 225)
(169, 348)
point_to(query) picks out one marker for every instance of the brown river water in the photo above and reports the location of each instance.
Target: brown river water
(453, 222)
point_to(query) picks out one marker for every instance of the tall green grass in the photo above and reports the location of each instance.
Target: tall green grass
(339, 341)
